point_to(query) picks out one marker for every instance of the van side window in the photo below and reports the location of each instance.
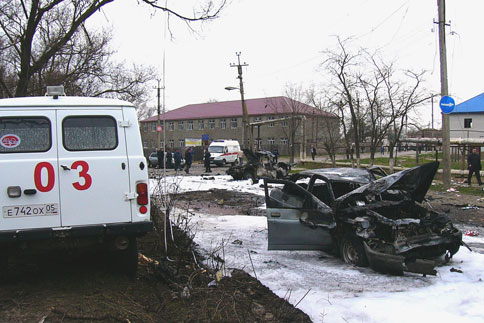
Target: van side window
(89, 133)
(25, 134)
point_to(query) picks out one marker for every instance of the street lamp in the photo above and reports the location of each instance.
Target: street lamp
(245, 115)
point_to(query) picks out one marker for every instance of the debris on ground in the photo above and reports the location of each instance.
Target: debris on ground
(471, 233)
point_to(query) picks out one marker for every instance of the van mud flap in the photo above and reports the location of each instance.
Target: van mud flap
(396, 265)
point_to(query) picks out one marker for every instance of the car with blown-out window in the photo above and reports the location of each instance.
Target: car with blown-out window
(364, 216)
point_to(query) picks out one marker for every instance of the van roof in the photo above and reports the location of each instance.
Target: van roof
(62, 101)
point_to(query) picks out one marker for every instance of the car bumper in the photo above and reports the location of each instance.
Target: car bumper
(395, 264)
(99, 230)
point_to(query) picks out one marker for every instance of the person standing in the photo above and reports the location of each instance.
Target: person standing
(177, 156)
(188, 160)
(276, 156)
(161, 158)
(206, 161)
(474, 166)
(313, 152)
(169, 159)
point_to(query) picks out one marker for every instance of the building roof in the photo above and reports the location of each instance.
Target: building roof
(474, 105)
(255, 107)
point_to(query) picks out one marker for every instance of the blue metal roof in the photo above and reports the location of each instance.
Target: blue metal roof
(474, 105)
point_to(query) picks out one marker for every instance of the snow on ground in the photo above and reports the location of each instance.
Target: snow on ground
(329, 290)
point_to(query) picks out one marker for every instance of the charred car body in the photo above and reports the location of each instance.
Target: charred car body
(366, 220)
(259, 164)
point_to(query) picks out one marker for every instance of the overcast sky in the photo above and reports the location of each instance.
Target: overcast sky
(282, 42)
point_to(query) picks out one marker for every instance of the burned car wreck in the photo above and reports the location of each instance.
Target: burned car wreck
(381, 222)
(261, 163)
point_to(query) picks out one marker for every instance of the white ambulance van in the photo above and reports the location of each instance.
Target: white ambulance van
(224, 152)
(72, 174)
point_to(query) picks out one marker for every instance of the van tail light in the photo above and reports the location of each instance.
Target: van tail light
(142, 190)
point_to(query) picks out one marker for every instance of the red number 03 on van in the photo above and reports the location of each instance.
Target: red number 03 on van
(50, 181)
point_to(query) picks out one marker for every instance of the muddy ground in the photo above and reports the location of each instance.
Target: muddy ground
(68, 287)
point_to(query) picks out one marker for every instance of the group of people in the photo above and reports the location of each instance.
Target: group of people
(173, 160)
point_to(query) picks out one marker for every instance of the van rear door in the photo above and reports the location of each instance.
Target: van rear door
(93, 167)
(28, 169)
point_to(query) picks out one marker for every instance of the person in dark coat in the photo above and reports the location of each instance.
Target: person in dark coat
(177, 156)
(188, 160)
(161, 158)
(313, 152)
(474, 166)
(206, 161)
(169, 159)
(276, 155)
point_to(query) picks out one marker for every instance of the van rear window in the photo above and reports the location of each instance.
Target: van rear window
(25, 134)
(89, 133)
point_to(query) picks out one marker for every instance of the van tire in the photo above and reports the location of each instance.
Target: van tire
(352, 250)
(128, 258)
(224, 162)
(3, 264)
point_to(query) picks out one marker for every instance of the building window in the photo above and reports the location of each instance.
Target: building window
(145, 127)
(162, 143)
(233, 123)
(190, 125)
(172, 125)
(270, 141)
(180, 125)
(153, 126)
(284, 141)
(468, 123)
(145, 144)
(223, 124)
(257, 119)
(284, 123)
(211, 123)
(181, 143)
(258, 142)
(271, 124)
(153, 144)
(201, 124)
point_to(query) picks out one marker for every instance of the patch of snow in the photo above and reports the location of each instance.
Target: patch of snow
(329, 290)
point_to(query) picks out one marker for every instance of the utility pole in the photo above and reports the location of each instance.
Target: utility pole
(444, 92)
(245, 116)
(158, 123)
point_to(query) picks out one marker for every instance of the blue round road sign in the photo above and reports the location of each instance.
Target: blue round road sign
(447, 104)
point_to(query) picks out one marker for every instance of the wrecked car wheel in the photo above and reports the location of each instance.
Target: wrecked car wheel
(352, 251)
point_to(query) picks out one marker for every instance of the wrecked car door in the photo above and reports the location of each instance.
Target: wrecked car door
(296, 219)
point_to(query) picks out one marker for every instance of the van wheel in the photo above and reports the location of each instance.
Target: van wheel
(224, 162)
(128, 258)
(3, 264)
(352, 250)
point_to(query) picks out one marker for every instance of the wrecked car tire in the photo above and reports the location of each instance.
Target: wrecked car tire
(352, 250)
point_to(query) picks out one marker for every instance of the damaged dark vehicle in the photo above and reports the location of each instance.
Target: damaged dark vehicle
(363, 216)
(261, 163)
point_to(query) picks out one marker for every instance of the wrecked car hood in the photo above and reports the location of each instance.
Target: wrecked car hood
(415, 181)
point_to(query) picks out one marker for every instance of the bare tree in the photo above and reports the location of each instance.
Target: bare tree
(342, 66)
(329, 123)
(293, 108)
(34, 34)
(374, 98)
